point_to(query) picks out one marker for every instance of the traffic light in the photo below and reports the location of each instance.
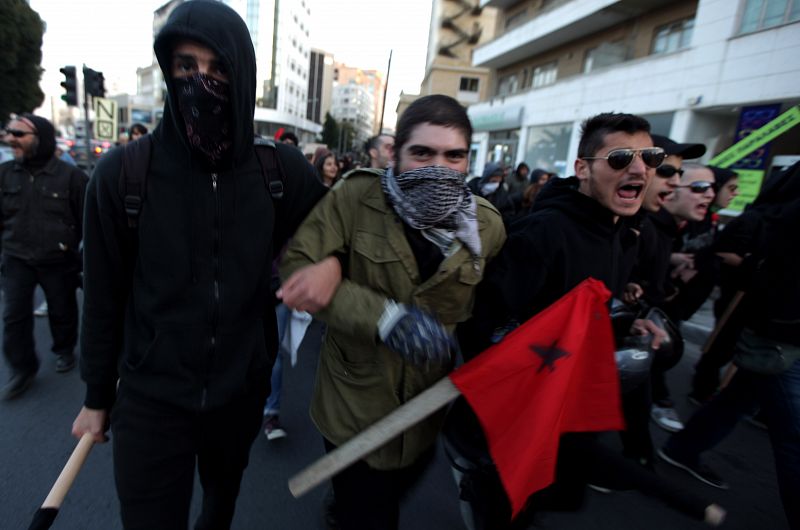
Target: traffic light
(70, 85)
(94, 82)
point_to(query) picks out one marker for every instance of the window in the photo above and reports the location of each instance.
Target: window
(545, 75)
(673, 36)
(607, 54)
(507, 85)
(761, 14)
(468, 84)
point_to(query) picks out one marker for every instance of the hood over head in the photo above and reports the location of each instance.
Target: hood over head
(217, 26)
(491, 169)
(46, 134)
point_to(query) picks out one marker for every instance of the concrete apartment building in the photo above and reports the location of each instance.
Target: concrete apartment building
(372, 81)
(320, 85)
(695, 69)
(457, 28)
(354, 105)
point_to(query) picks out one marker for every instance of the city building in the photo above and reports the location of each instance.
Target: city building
(457, 28)
(698, 70)
(372, 81)
(353, 106)
(320, 85)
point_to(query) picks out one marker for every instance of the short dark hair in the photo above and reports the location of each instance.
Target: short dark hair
(372, 142)
(137, 128)
(436, 109)
(292, 137)
(595, 129)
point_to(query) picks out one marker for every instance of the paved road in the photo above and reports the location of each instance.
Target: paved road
(35, 442)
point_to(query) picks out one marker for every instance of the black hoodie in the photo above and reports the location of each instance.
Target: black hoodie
(186, 319)
(567, 238)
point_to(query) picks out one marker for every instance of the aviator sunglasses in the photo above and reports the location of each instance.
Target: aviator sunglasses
(667, 170)
(622, 158)
(16, 133)
(701, 186)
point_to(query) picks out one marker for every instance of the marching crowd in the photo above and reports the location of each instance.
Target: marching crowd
(191, 239)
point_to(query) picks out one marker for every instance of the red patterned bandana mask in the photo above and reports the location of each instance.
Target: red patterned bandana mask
(205, 106)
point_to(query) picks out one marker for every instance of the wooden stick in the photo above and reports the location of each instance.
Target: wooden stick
(734, 303)
(70, 471)
(727, 376)
(374, 436)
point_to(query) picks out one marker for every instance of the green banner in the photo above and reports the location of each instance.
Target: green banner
(757, 138)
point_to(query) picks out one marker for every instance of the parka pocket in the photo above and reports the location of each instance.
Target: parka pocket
(375, 264)
(12, 199)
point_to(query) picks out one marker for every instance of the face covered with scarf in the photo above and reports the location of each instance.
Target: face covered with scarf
(204, 99)
(429, 192)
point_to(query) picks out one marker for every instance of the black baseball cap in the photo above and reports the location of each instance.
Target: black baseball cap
(681, 150)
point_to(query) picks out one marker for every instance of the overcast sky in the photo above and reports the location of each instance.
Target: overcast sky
(115, 37)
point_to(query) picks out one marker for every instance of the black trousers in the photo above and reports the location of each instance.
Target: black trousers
(369, 499)
(157, 449)
(59, 282)
(636, 439)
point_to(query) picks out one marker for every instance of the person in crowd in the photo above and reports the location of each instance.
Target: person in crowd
(519, 181)
(690, 201)
(136, 131)
(490, 186)
(646, 288)
(178, 330)
(290, 138)
(41, 227)
(415, 242)
(327, 168)
(767, 322)
(572, 233)
(380, 150)
(540, 176)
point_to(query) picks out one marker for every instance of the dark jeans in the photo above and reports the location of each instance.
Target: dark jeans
(779, 399)
(368, 498)
(59, 282)
(157, 448)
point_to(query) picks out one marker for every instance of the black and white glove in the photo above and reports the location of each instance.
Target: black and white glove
(414, 334)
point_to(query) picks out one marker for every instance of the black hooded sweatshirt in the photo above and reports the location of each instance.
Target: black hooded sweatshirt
(186, 318)
(567, 238)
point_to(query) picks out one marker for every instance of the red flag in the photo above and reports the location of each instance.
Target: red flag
(554, 374)
(279, 133)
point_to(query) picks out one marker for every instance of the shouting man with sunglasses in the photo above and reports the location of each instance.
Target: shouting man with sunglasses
(574, 232)
(41, 218)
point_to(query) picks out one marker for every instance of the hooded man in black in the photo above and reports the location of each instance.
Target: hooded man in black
(179, 309)
(40, 224)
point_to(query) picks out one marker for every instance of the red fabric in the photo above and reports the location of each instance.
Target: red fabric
(524, 405)
(279, 133)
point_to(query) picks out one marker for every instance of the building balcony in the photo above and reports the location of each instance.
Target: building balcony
(562, 23)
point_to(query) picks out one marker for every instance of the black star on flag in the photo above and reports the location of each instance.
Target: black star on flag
(549, 354)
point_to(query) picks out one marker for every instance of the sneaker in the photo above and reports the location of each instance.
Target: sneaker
(599, 489)
(41, 311)
(272, 428)
(698, 470)
(65, 363)
(666, 418)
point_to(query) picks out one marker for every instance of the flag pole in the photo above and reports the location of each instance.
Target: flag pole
(385, 88)
(374, 436)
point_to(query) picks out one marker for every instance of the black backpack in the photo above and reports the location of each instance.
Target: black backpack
(136, 162)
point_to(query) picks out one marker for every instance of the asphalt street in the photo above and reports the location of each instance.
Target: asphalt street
(35, 442)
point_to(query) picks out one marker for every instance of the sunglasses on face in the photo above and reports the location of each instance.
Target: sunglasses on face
(16, 133)
(667, 171)
(622, 158)
(701, 186)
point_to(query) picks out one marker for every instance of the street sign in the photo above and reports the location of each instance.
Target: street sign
(106, 119)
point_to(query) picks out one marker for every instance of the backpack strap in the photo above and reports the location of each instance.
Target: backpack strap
(270, 166)
(133, 176)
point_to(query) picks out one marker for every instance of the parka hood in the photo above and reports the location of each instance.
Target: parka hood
(219, 27)
(562, 194)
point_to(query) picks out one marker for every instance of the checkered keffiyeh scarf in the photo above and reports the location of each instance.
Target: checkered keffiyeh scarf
(436, 201)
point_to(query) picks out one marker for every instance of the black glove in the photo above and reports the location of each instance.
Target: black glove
(414, 334)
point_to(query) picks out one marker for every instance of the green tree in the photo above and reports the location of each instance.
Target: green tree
(21, 31)
(330, 131)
